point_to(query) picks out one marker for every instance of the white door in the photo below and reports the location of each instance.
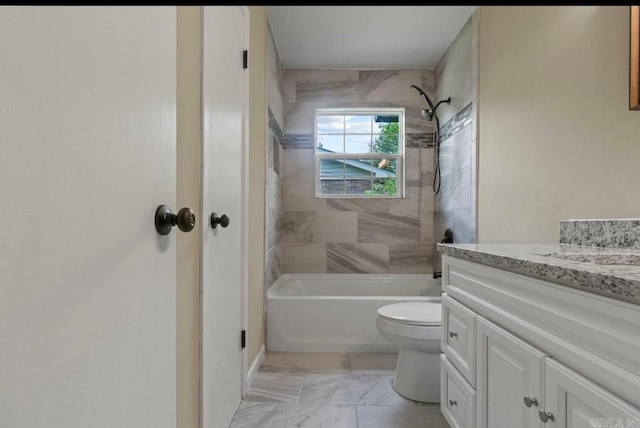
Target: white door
(508, 370)
(87, 286)
(223, 184)
(575, 402)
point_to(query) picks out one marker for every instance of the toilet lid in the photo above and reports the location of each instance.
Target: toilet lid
(414, 313)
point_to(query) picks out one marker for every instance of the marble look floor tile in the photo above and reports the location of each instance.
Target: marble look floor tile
(361, 389)
(306, 362)
(268, 415)
(275, 387)
(381, 364)
(427, 416)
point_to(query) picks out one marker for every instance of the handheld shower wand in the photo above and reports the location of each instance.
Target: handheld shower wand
(429, 115)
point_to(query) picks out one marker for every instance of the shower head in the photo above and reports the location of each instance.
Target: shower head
(421, 92)
(417, 90)
(428, 114)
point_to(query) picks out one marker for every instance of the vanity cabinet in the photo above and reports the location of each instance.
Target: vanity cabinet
(522, 352)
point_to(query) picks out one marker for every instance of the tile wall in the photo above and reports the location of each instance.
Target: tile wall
(355, 235)
(456, 77)
(273, 191)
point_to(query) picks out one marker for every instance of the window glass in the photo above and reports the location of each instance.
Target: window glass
(359, 152)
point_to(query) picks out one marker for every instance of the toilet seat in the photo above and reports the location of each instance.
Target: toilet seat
(413, 313)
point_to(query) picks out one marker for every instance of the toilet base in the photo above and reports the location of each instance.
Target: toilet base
(418, 376)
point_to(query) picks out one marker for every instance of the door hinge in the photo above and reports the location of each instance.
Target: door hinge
(243, 339)
(245, 59)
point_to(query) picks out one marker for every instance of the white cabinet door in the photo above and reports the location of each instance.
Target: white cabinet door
(508, 369)
(223, 172)
(88, 152)
(575, 402)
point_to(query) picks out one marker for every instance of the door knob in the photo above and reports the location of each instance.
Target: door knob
(545, 416)
(223, 220)
(453, 334)
(530, 401)
(165, 219)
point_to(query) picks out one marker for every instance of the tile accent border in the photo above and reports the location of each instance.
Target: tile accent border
(297, 141)
(415, 140)
(419, 140)
(274, 125)
(456, 123)
(611, 233)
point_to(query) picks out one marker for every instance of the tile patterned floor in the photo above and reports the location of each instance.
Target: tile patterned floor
(330, 390)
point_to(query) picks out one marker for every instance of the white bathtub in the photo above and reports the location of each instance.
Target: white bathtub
(337, 312)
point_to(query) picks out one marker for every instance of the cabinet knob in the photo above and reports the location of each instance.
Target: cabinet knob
(545, 416)
(529, 401)
(453, 334)
(453, 403)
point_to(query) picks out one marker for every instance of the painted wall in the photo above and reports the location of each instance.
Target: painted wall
(456, 77)
(257, 163)
(355, 235)
(189, 191)
(557, 140)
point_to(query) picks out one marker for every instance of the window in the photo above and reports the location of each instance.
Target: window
(359, 153)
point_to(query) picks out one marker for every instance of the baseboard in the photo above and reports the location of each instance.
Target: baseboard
(255, 366)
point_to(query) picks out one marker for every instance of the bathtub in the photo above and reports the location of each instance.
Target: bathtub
(337, 312)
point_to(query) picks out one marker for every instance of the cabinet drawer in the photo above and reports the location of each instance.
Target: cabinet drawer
(459, 337)
(457, 398)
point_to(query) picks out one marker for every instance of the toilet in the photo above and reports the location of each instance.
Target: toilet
(416, 328)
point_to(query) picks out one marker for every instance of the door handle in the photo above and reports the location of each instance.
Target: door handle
(223, 220)
(185, 219)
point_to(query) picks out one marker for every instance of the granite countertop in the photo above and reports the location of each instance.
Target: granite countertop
(619, 281)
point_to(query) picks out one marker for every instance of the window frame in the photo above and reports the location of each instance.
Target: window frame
(362, 111)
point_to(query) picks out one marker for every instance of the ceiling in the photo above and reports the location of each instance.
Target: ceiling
(365, 36)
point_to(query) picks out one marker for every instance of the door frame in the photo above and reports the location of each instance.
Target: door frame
(244, 174)
(245, 204)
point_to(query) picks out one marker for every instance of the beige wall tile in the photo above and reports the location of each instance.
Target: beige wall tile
(298, 196)
(303, 258)
(326, 226)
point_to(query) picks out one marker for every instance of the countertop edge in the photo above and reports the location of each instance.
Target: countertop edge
(581, 279)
